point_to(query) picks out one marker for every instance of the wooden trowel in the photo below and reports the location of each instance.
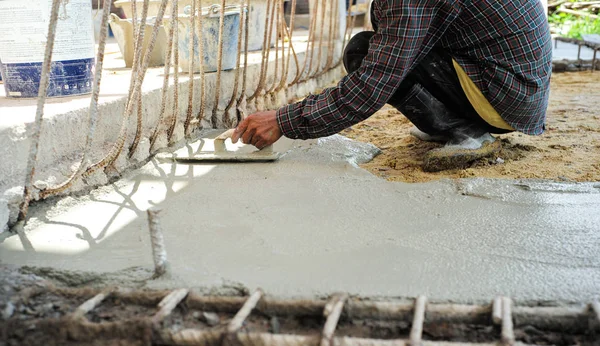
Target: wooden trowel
(221, 154)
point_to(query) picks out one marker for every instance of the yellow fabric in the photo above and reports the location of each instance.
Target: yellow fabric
(478, 101)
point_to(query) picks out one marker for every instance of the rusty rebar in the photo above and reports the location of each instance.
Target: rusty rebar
(165, 86)
(214, 118)
(175, 111)
(159, 252)
(41, 101)
(93, 113)
(192, 57)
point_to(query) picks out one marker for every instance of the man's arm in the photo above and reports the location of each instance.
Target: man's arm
(407, 30)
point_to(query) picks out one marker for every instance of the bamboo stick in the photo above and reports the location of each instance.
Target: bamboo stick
(238, 320)
(508, 334)
(497, 310)
(90, 304)
(168, 304)
(332, 311)
(416, 331)
(578, 13)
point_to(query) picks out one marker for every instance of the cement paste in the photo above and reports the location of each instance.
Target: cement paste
(314, 223)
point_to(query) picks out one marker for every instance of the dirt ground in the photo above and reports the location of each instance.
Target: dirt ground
(569, 150)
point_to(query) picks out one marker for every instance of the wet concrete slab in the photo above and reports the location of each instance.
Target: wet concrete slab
(314, 223)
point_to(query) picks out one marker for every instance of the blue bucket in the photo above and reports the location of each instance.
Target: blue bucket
(23, 41)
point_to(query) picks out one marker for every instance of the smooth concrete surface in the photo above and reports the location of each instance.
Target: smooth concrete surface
(66, 120)
(314, 223)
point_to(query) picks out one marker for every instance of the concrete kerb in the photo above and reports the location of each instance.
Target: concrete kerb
(571, 56)
(63, 133)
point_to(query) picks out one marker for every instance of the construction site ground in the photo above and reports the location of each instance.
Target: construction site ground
(569, 150)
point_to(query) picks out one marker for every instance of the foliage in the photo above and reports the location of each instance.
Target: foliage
(572, 25)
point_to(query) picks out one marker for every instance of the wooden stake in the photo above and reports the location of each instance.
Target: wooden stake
(333, 311)
(90, 304)
(416, 330)
(238, 320)
(168, 304)
(508, 334)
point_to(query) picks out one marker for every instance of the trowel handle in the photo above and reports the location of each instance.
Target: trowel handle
(220, 142)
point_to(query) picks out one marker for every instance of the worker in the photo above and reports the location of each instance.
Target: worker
(459, 70)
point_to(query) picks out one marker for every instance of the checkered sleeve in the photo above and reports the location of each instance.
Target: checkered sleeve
(407, 30)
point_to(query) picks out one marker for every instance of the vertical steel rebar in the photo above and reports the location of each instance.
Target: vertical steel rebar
(93, 112)
(175, 111)
(214, 119)
(41, 101)
(188, 117)
(159, 252)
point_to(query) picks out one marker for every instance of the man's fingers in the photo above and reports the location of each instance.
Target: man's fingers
(239, 130)
(248, 134)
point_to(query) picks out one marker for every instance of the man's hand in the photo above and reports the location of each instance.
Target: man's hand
(259, 129)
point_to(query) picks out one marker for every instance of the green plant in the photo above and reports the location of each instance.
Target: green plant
(572, 25)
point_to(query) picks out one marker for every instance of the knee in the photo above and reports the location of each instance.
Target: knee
(356, 50)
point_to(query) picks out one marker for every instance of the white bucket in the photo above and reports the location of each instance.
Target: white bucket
(210, 39)
(256, 25)
(123, 31)
(153, 7)
(257, 13)
(24, 27)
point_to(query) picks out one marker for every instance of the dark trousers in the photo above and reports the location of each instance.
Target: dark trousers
(430, 96)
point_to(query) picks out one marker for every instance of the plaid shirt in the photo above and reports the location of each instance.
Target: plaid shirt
(504, 46)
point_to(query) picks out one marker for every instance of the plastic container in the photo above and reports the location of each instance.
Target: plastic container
(153, 7)
(123, 31)
(24, 26)
(256, 26)
(210, 38)
(257, 13)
